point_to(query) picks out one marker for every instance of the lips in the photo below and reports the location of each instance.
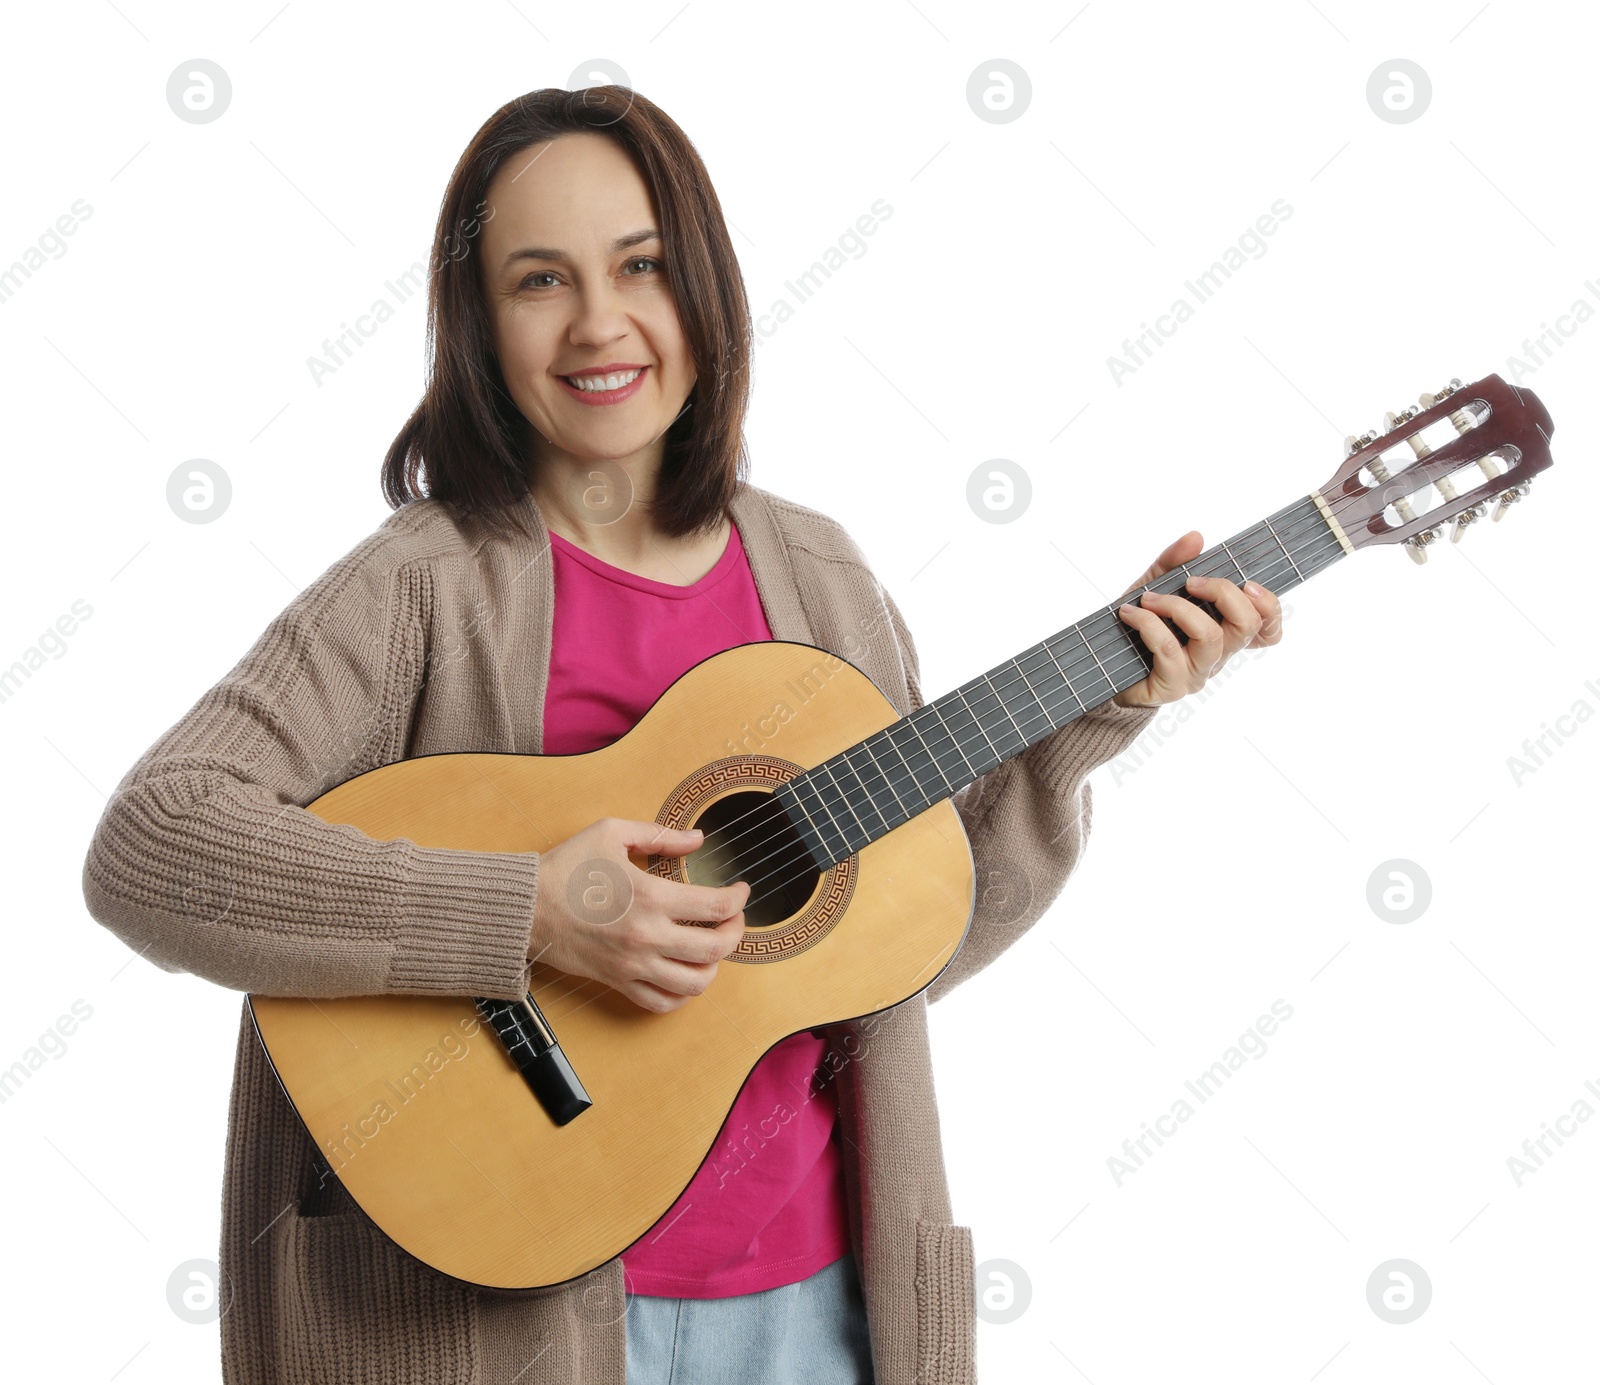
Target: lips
(603, 397)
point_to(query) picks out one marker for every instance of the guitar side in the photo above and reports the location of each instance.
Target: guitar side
(418, 1108)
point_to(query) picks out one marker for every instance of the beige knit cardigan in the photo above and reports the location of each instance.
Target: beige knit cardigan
(430, 637)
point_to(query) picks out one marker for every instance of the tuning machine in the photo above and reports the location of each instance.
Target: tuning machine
(1417, 544)
(1471, 515)
(1429, 400)
(1508, 498)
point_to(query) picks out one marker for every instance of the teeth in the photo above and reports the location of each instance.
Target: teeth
(597, 384)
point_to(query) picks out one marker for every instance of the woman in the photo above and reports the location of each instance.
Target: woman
(572, 533)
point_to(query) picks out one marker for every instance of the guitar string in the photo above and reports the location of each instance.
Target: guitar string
(761, 883)
(1114, 663)
(1120, 658)
(1222, 553)
(1111, 669)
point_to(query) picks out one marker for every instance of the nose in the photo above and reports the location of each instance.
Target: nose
(598, 315)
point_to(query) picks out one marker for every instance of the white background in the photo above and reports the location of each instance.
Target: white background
(1226, 870)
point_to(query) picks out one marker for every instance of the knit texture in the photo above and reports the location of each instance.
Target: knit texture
(432, 637)
(946, 1304)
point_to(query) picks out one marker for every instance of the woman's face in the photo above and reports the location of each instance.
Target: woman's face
(576, 286)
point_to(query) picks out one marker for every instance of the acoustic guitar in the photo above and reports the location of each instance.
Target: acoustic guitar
(516, 1144)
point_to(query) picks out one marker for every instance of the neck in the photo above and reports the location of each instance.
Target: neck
(863, 793)
(598, 502)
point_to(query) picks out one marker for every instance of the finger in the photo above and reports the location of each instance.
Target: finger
(653, 998)
(1271, 610)
(680, 978)
(1170, 668)
(698, 945)
(697, 903)
(1241, 620)
(1204, 650)
(653, 839)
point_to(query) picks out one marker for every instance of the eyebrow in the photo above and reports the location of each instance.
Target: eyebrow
(544, 252)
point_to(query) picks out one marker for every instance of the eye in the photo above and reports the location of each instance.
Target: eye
(538, 273)
(645, 260)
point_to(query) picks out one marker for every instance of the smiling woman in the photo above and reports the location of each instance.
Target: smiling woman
(573, 533)
(602, 227)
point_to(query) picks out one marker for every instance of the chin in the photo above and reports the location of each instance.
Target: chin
(603, 444)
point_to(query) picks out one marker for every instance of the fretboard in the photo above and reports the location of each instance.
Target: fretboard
(862, 793)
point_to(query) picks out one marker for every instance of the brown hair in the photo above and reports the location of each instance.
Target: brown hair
(467, 444)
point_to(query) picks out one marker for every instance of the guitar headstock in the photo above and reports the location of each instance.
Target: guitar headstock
(1441, 461)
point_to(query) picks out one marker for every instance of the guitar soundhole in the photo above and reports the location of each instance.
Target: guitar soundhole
(748, 838)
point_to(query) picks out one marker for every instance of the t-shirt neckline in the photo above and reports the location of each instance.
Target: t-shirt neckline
(671, 590)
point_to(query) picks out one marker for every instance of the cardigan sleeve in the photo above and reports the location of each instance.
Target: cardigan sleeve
(206, 861)
(1027, 820)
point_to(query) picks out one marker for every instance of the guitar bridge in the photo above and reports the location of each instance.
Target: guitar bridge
(531, 1045)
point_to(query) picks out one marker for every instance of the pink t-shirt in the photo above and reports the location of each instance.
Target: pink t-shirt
(768, 1205)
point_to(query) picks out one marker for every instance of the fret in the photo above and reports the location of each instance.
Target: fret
(1110, 681)
(1056, 663)
(810, 783)
(872, 797)
(1130, 651)
(821, 800)
(1043, 679)
(1268, 564)
(988, 694)
(914, 769)
(842, 795)
(1286, 553)
(937, 711)
(1032, 705)
(809, 834)
(1067, 666)
(867, 790)
(1242, 578)
(884, 775)
(977, 720)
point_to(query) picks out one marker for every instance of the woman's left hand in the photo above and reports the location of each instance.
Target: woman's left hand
(1250, 619)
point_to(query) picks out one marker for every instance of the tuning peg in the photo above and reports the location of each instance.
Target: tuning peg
(1510, 497)
(1417, 544)
(1353, 444)
(1471, 515)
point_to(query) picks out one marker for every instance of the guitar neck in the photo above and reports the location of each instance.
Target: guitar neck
(841, 805)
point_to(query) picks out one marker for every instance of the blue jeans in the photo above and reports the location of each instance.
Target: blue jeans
(813, 1332)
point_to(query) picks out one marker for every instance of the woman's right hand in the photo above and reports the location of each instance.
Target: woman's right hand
(598, 915)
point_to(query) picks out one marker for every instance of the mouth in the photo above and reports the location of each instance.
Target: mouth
(610, 388)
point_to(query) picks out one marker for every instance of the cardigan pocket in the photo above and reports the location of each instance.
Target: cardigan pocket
(353, 1308)
(946, 1304)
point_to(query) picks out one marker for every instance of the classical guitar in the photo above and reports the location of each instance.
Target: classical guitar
(519, 1143)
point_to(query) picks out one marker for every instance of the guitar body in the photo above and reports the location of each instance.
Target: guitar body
(414, 1101)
